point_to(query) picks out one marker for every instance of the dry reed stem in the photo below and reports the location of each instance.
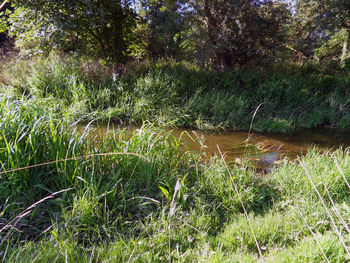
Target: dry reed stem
(73, 159)
(313, 234)
(35, 239)
(251, 123)
(336, 211)
(92, 254)
(341, 172)
(132, 253)
(200, 232)
(170, 214)
(240, 200)
(3, 4)
(324, 205)
(27, 211)
(37, 256)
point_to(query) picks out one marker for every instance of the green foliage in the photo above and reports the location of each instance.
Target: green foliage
(144, 196)
(318, 29)
(161, 28)
(4, 15)
(224, 35)
(101, 28)
(117, 191)
(117, 210)
(331, 50)
(180, 94)
(238, 32)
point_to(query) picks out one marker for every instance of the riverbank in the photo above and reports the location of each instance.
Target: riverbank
(146, 198)
(183, 95)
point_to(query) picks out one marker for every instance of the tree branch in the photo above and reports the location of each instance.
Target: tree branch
(3, 4)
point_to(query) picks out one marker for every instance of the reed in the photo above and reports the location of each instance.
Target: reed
(180, 94)
(147, 197)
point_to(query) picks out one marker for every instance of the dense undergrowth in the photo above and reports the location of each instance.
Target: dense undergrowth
(146, 198)
(183, 95)
(153, 201)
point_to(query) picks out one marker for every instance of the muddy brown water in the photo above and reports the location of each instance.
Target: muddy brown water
(261, 148)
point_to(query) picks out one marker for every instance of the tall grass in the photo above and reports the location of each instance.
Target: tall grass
(115, 185)
(154, 200)
(113, 197)
(172, 93)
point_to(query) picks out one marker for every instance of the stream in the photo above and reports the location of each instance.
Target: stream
(262, 149)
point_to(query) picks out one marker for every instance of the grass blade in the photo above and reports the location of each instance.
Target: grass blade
(313, 234)
(240, 200)
(324, 205)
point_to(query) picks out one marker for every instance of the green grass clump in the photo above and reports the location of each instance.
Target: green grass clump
(146, 197)
(172, 93)
(324, 172)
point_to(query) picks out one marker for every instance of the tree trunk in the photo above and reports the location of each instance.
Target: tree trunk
(211, 23)
(222, 57)
(211, 34)
(345, 53)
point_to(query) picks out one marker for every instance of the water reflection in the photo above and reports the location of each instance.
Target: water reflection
(263, 148)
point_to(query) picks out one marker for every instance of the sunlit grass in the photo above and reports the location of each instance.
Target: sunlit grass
(146, 197)
(171, 93)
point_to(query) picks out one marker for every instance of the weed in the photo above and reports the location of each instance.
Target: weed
(146, 197)
(171, 93)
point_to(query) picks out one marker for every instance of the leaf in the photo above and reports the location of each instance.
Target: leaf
(54, 233)
(165, 192)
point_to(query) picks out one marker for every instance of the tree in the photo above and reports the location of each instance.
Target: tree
(102, 27)
(320, 23)
(240, 31)
(162, 23)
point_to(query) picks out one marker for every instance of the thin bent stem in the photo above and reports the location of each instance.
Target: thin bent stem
(313, 234)
(27, 211)
(73, 159)
(240, 200)
(336, 211)
(251, 123)
(324, 205)
(341, 172)
(3, 4)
